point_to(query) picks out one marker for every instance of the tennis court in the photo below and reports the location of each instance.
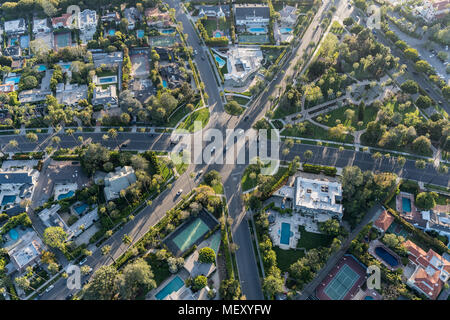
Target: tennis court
(63, 39)
(163, 41)
(341, 284)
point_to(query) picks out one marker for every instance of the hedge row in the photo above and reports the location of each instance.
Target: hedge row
(314, 168)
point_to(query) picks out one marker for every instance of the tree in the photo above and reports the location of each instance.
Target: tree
(411, 54)
(424, 102)
(53, 267)
(423, 66)
(199, 283)
(426, 200)
(410, 86)
(230, 289)
(308, 155)
(55, 237)
(330, 227)
(233, 108)
(212, 178)
(85, 270)
(103, 285)
(421, 145)
(31, 136)
(206, 255)
(136, 276)
(272, 285)
(348, 21)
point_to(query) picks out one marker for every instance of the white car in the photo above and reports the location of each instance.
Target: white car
(83, 261)
(49, 288)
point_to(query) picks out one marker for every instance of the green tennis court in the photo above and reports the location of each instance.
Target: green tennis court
(191, 234)
(341, 284)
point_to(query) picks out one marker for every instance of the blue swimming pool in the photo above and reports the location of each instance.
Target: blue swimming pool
(107, 80)
(13, 234)
(257, 30)
(13, 80)
(8, 199)
(220, 61)
(164, 82)
(218, 34)
(173, 286)
(368, 298)
(111, 32)
(285, 233)
(81, 208)
(140, 33)
(386, 256)
(167, 31)
(286, 30)
(69, 194)
(41, 68)
(406, 204)
(65, 66)
(13, 41)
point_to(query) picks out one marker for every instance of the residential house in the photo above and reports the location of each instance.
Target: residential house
(7, 88)
(242, 63)
(216, 11)
(27, 252)
(111, 17)
(437, 221)
(14, 52)
(251, 14)
(431, 271)
(118, 180)
(132, 15)
(384, 221)
(172, 74)
(321, 199)
(288, 15)
(107, 96)
(430, 10)
(19, 184)
(33, 95)
(84, 223)
(51, 218)
(87, 19)
(63, 21)
(158, 19)
(15, 27)
(40, 26)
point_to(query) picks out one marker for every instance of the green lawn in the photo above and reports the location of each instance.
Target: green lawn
(246, 182)
(199, 115)
(241, 100)
(211, 26)
(177, 116)
(315, 132)
(309, 240)
(160, 269)
(330, 118)
(287, 257)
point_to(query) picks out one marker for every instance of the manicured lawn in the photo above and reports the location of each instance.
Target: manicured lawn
(177, 116)
(314, 132)
(211, 26)
(160, 269)
(241, 100)
(330, 118)
(246, 182)
(199, 115)
(309, 240)
(337, 28)
(285, 258)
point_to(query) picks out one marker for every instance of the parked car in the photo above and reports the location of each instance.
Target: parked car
(49, 288)
(179, 192)
(83, 261)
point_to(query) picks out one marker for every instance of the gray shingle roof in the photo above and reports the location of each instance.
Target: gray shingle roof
(15, 177)
(258, 11)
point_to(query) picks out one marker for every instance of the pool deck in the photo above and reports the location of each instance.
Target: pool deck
(377, 243)
(415, 216)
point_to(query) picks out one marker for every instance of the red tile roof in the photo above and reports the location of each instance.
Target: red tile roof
(62, 19)
(427, 276)
(384, 220)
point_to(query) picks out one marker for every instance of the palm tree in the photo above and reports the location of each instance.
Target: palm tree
(113, 134)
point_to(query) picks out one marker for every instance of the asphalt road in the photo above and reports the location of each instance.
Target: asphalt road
(231, 174)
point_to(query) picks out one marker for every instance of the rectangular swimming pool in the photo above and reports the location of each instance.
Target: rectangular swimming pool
(8, 199)
(173, 286)
(285, 233)
(191, 234)
(406, 204)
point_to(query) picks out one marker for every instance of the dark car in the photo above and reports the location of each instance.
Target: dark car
(69, 297)
(245, 118)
